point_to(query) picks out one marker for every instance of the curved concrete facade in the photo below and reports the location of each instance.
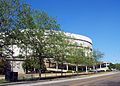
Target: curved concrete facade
(72, 38)
(80, 40)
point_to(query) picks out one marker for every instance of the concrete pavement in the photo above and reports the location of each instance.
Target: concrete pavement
(79, 81)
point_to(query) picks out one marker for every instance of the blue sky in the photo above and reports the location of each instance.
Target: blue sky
(97, 19)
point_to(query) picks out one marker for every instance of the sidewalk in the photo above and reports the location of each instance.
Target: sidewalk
(24, 83)
(2, 77)
(48, 75)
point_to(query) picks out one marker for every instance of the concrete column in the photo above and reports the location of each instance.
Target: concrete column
(100, 65)
(67, 67)
(86, 69)
(93, 67)
(82, 69)
(76, 68)
(17, 66)
(56, 65)
(106, 65)
(34, 69)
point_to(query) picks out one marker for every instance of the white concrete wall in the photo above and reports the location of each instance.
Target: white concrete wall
(79, 39)
(16, 66)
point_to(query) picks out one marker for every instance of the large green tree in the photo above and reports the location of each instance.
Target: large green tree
(76, 55)
(59, 48)
(12, 15)
(25, 28)
(38, 35)
(97, 56)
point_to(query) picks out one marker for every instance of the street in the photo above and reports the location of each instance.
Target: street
(110, 79)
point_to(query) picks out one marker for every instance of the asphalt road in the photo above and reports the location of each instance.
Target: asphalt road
(104, 80)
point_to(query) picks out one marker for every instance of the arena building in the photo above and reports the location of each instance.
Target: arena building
(80, 40)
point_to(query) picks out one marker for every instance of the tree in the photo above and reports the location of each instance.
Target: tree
(87, 61)
(38, 37)
(59, 48)
(87, 57)
(2, 66)
(12, 15)
(114, 66)
(32, 64)
(25, 28)
(76, 55)
(96, 55)
(111, 66)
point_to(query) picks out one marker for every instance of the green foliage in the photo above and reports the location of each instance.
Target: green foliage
(2, 66)
(24, 27)
(112, 66)
(69, 71)
(76, 56)
(38, 36)
(58, 48)
(87, 61)
(97, 55)
(32, 64)
(12, 13)
(117, 66)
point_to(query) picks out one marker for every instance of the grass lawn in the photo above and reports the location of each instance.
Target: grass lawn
(2, 81)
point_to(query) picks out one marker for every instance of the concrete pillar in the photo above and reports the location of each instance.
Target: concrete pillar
(82, 69)
(100, 65)
(76, 68)
(86, 69)
(67, 67)
(106, 67)
(106, 64)
(56, 65)
(93, 67)
(16, 66)
(34, 69)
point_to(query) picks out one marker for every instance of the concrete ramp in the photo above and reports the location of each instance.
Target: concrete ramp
(56, 70)
(103, 69)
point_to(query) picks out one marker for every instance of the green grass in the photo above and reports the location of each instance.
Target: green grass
(2, 81)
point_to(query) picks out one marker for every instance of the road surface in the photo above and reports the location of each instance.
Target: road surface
(110, 79)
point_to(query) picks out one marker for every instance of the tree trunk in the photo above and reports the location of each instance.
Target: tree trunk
(39, 73)
(26, 69)
(49, 62)
(62, 69)
(40, 60)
